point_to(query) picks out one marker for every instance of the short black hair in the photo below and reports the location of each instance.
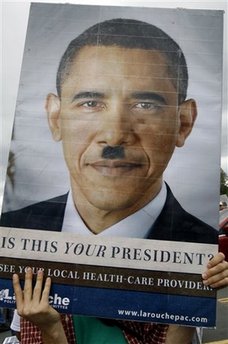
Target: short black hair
(133, 34)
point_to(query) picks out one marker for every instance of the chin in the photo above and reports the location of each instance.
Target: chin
(111, 202)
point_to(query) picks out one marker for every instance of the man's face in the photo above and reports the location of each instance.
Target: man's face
(119, 123)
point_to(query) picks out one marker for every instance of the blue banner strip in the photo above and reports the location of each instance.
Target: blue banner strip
(119, 304)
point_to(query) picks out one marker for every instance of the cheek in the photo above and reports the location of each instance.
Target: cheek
(158, 142)
(158, 137)
(75, 140)
(75, 131)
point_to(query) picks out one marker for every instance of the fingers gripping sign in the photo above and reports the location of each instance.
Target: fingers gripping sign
(33, 305)
(216, 274)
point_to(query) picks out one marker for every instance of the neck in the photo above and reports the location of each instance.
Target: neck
(97, 219)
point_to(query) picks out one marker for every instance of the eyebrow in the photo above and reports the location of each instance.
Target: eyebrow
(149, 96)
(88, 95)
(136, 95)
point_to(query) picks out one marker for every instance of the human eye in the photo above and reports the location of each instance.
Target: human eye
(147, 106)
(91, 105)
(88, 101)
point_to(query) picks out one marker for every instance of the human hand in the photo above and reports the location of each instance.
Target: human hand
(179, 334)
(216, 275)
(33, 305)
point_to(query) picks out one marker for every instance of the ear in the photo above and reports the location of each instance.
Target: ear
(52, 107)
(187, 116)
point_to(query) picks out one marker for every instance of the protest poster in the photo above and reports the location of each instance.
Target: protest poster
(104, 275)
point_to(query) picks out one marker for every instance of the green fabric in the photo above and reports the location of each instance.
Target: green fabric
(89, 330)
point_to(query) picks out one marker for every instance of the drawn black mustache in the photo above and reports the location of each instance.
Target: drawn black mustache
(115, 152)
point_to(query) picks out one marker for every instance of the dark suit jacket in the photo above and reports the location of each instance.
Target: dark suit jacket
(174, 223)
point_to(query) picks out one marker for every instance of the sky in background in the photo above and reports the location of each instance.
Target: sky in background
(15, 16)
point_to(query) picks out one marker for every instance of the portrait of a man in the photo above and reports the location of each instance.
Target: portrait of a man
(120, 110)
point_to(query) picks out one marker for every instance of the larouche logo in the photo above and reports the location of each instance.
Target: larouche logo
(59, 302)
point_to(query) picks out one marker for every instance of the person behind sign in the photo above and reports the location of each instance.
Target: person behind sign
(120, 111)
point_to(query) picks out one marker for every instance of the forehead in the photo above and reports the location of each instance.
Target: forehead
(113, 56)
(113, 64)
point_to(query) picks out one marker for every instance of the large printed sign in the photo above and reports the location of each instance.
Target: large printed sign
(107, 95)
(139, 278)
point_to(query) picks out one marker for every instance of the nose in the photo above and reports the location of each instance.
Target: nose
(117, 127)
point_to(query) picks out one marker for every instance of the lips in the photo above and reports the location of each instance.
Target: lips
(114, 167)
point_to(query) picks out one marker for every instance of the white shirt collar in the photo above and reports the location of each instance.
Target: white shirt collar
(137, 225)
